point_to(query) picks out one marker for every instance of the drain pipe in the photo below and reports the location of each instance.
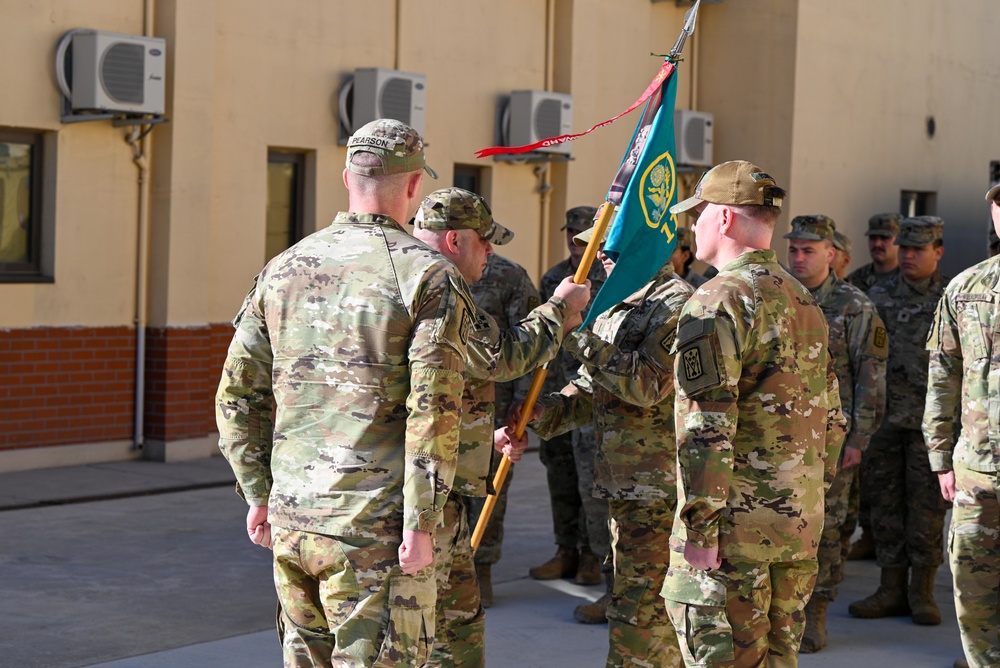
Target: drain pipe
(542, 171)
(140, 143)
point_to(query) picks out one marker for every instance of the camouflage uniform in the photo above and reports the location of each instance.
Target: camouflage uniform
(859, 346)
(578, 518)
(505, 292)
(907, 511)
(626, 389)
(864, 278)
(751, 350)
(963, 389)
(358, 334)
(880, 225)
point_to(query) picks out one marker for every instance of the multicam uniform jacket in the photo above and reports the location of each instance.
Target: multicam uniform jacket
(752, 350)
(859, 346)
(964, 373)
(564, 369)
(626, 387)
(864, 278)
(907, 311)
(358, 335)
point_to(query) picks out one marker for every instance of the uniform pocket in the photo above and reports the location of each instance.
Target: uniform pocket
(696, 603)
(409, 634)
(624, 607)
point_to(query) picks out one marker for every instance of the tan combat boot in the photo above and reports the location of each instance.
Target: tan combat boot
(485, 584)
(862, 548)
(593, 613)
(589, 570)
(814, 638)
(923, 607)
(889, 600)
(563, 565)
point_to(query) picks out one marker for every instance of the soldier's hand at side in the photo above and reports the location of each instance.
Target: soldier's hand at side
(576, 296)
(258, 528)
(702, 558)
(946, 481)
(851, 458)
(416, 551)
(507, 442)
(514, 413)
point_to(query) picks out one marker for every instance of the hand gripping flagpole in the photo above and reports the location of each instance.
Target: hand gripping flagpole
(602, 221)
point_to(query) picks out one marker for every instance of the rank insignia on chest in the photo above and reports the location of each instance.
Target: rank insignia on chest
(692, 363)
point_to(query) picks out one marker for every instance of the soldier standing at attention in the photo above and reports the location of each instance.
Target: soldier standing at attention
(859, 346)
(751, 351)
(882, 230)
(963, 390)
(459, 225)
(683, 256)
(841, 254)
(505, 292)
(579, 519)
(357, 334)
(907, 512)
(626, 389)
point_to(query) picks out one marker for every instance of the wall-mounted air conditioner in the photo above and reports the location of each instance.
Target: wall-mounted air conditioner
(111, 72)
(377, 92)
(533, 115)
(693, 135)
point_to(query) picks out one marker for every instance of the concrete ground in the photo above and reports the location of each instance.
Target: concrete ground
(147, 565)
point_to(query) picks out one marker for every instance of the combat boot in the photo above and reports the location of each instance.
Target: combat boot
(485, 584)
(862, 548)
(563, 565)
(814, 638)
(889, 600)
(923, 607)
(596, 612)
(589, 570)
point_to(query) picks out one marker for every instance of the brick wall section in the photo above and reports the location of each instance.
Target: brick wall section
(66, 385)
(183, 365)
(70, 385)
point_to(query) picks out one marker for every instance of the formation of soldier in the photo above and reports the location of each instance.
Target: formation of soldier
(710, 444)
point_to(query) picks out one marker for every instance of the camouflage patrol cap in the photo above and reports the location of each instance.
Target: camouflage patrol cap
(685, 238)
(883, 225)
(579, 218)
(397, 144)
(737, 182)
(812, 228)
(842, 242)
(583, 238)
(920, 231)
(458, 209)
(992, 193)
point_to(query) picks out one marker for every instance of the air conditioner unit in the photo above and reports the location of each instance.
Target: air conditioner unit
(385, 93)
(533, 115)
(693, 134)
(116, 73)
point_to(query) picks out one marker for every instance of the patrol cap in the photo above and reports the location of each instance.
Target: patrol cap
(812, 228)
(685, 239)
(397, 144)
(883, 225)
(737, 182)
(842, 242)
(458, 209)
(579, 218)
(992, 193)
(583, 238)
(920, 231)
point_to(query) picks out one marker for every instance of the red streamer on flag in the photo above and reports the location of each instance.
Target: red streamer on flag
(665, 70)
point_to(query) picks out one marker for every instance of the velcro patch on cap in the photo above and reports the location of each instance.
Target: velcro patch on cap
(761, 176)
(376, 142)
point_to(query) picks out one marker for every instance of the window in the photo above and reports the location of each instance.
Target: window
(917, 203)
(469, 178)
(21, 155)
(285, 201)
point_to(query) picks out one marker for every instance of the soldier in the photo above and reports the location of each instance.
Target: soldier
(882, 229)
(626, 388)
(841, 254)
(579, 519)
(907, 512)
(505, 292)
(992, 241)
(683, 256)
(357, 334)
(962, 391)
(460, 225)
(858, 345)
(751, 351)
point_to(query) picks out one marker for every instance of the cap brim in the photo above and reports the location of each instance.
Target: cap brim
(805, 236)
(499, 235)
(992, 193)
(880, 233)
(583, 238)
(430, 171)
(686, 205)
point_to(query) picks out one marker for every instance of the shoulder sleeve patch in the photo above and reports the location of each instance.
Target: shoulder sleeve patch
(880, 338)
(699, 366)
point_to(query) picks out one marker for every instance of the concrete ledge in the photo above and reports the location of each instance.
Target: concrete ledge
(181, 451)
(58, 456)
